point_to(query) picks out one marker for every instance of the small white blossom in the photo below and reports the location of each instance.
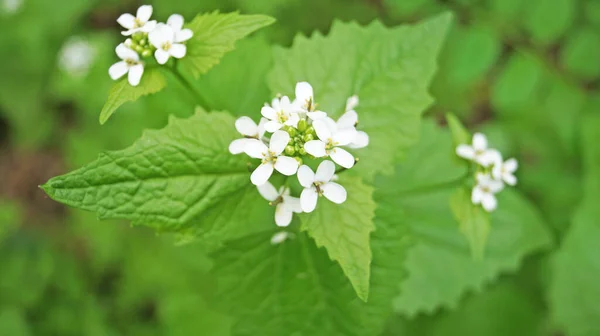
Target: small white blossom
(138, 23)
(280, 113)
(130, 64)
(483, 192)
(248, 128)
(164, 40)
(76, 56)
(305, 101)
(351, 103)
(271, 157)
(504, 171)
(280, 237)
(478, 151)
(175, 21)
(319, 184)
(285, 205)
(330, 138)
(349, 120)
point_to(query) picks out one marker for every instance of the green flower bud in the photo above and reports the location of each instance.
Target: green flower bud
(137, 36)
(302, 124)
(147, 53)
(310, 130)
(291, 131)
(298, 138)
(291, 142)
(143, 42)
(290, 150)
(139, 49)
(297, 147)
(308, 137)
(299, 160)
(302, 151)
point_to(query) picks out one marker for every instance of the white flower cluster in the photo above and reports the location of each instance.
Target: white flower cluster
(163, 40)
(297, 131)
(492, 172)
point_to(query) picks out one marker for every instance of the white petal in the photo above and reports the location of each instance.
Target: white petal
(272, 126)
(161, 56)
(497, 171)
(351, 103)
(306, 177)
(125, 52)
(348, 119)
(509, 178)
(286, 165)
(283, 215)
(479, 142)
(279, 237)
(183, 35)
(361, 140)
(292, 203)
(315, 148)
(178, 50)
(256, 149)
(126, 20)
(279, 140)
(316, 115)
(118, 70)
(308, 199)
(476, 195)
(304, 92)
(495, 186)
(149, 26)
(237, 146)
(331, 124)
(284, 103)
(342, 157)
(322, 130)
(246, 126)
(268, 112)
(344, 137)
(489, 202)
(325, 171)
(135, 74)
(511, 165)
(489, 157)
(175, 21)
(334, 192)
(161, 35)
(144, 13)
(268, 191)
(261, 174)
(465, 151)
(293, 120)
(261, 127)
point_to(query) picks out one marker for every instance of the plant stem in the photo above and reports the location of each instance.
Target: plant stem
(200, 100)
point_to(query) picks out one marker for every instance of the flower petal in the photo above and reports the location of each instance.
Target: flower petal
(344, 137)
(334, 192)
(279, 237)
(308, 199)
(237, 146)
(178, 50)
(292, 203)
(261, 174)
(361, 140)
(135, 74)
(304, 92)
(495, 186)
(342, 157)
(511, 165)
(149, 26)
(256, 149)
(325, 171)
(161, 35)
(476, 195)
(273, 126)
(479, 142)
(348, 119)
(246, 126)
(489, 202)
(268, 112)
(315, 148)
(316, 115)
(176, 22)
(286, 165)
(279, 140)
(306, 177)
(293, 120)
(283, 215)
(268, 191)
(124, 52)
(126, 20)
(144, 13)
(261, 127)
(161, 56)
(465, 152)
(351, 103)
(509, 178)
(489, 157)
(118, 70)
(183, 35)
(322, 130)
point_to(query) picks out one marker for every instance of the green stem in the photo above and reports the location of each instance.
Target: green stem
(200, 100)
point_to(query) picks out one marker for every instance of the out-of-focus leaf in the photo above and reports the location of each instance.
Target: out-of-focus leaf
(473, 221)
(549, 20)
(581, 48)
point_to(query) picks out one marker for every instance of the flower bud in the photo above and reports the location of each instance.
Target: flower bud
(139, 49)
(146, 53)
(310, 130)
(302, 125)
(137, 36)
(308, 137)
(143, 42)
(291, 131)
(299, 160)
(290, 150)
(302, 151)
(298, 139)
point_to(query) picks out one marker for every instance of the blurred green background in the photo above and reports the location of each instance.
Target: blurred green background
(523, 72)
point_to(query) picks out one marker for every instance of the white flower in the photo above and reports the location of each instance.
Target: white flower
(504, 171)
(138, 23)
(351, 103)
(483, 192)
(349, 120)
(271, 157)
(175, 21)
(163, 38)
(285, 205)
(11, 6)
(130, 64)
(330, 138)
(280, 237)
(76, 56)
(319, 184)
(479, 151)
(305, 101)
(280, 113)
(248, 128)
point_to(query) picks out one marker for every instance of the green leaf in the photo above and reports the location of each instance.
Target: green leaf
(460, 135)
(388, 68)
(549, 20)
(344, 230)
(180, 178)
(582, 46)
(517, 84)
(473, 221)
(215, 34)
(421, 190)
(122, 92)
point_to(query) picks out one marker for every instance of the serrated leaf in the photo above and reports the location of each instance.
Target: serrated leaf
(344, 230)
(473, 221)
(215, 34)
(421, 189)
(179, 178)
(122, 92)
(388, 68)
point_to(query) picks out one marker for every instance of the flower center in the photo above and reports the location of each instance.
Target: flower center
(130, 62)
(269, 157)
(310, 105)
(166, 46)
(137, 23)
(486, 189)
(330, 145)
(282, 117)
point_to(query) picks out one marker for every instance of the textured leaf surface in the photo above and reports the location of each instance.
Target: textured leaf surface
(215, 34)
(179, 178)
(344, 230)
(388, 68)
(440, 266)
(122, 92)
